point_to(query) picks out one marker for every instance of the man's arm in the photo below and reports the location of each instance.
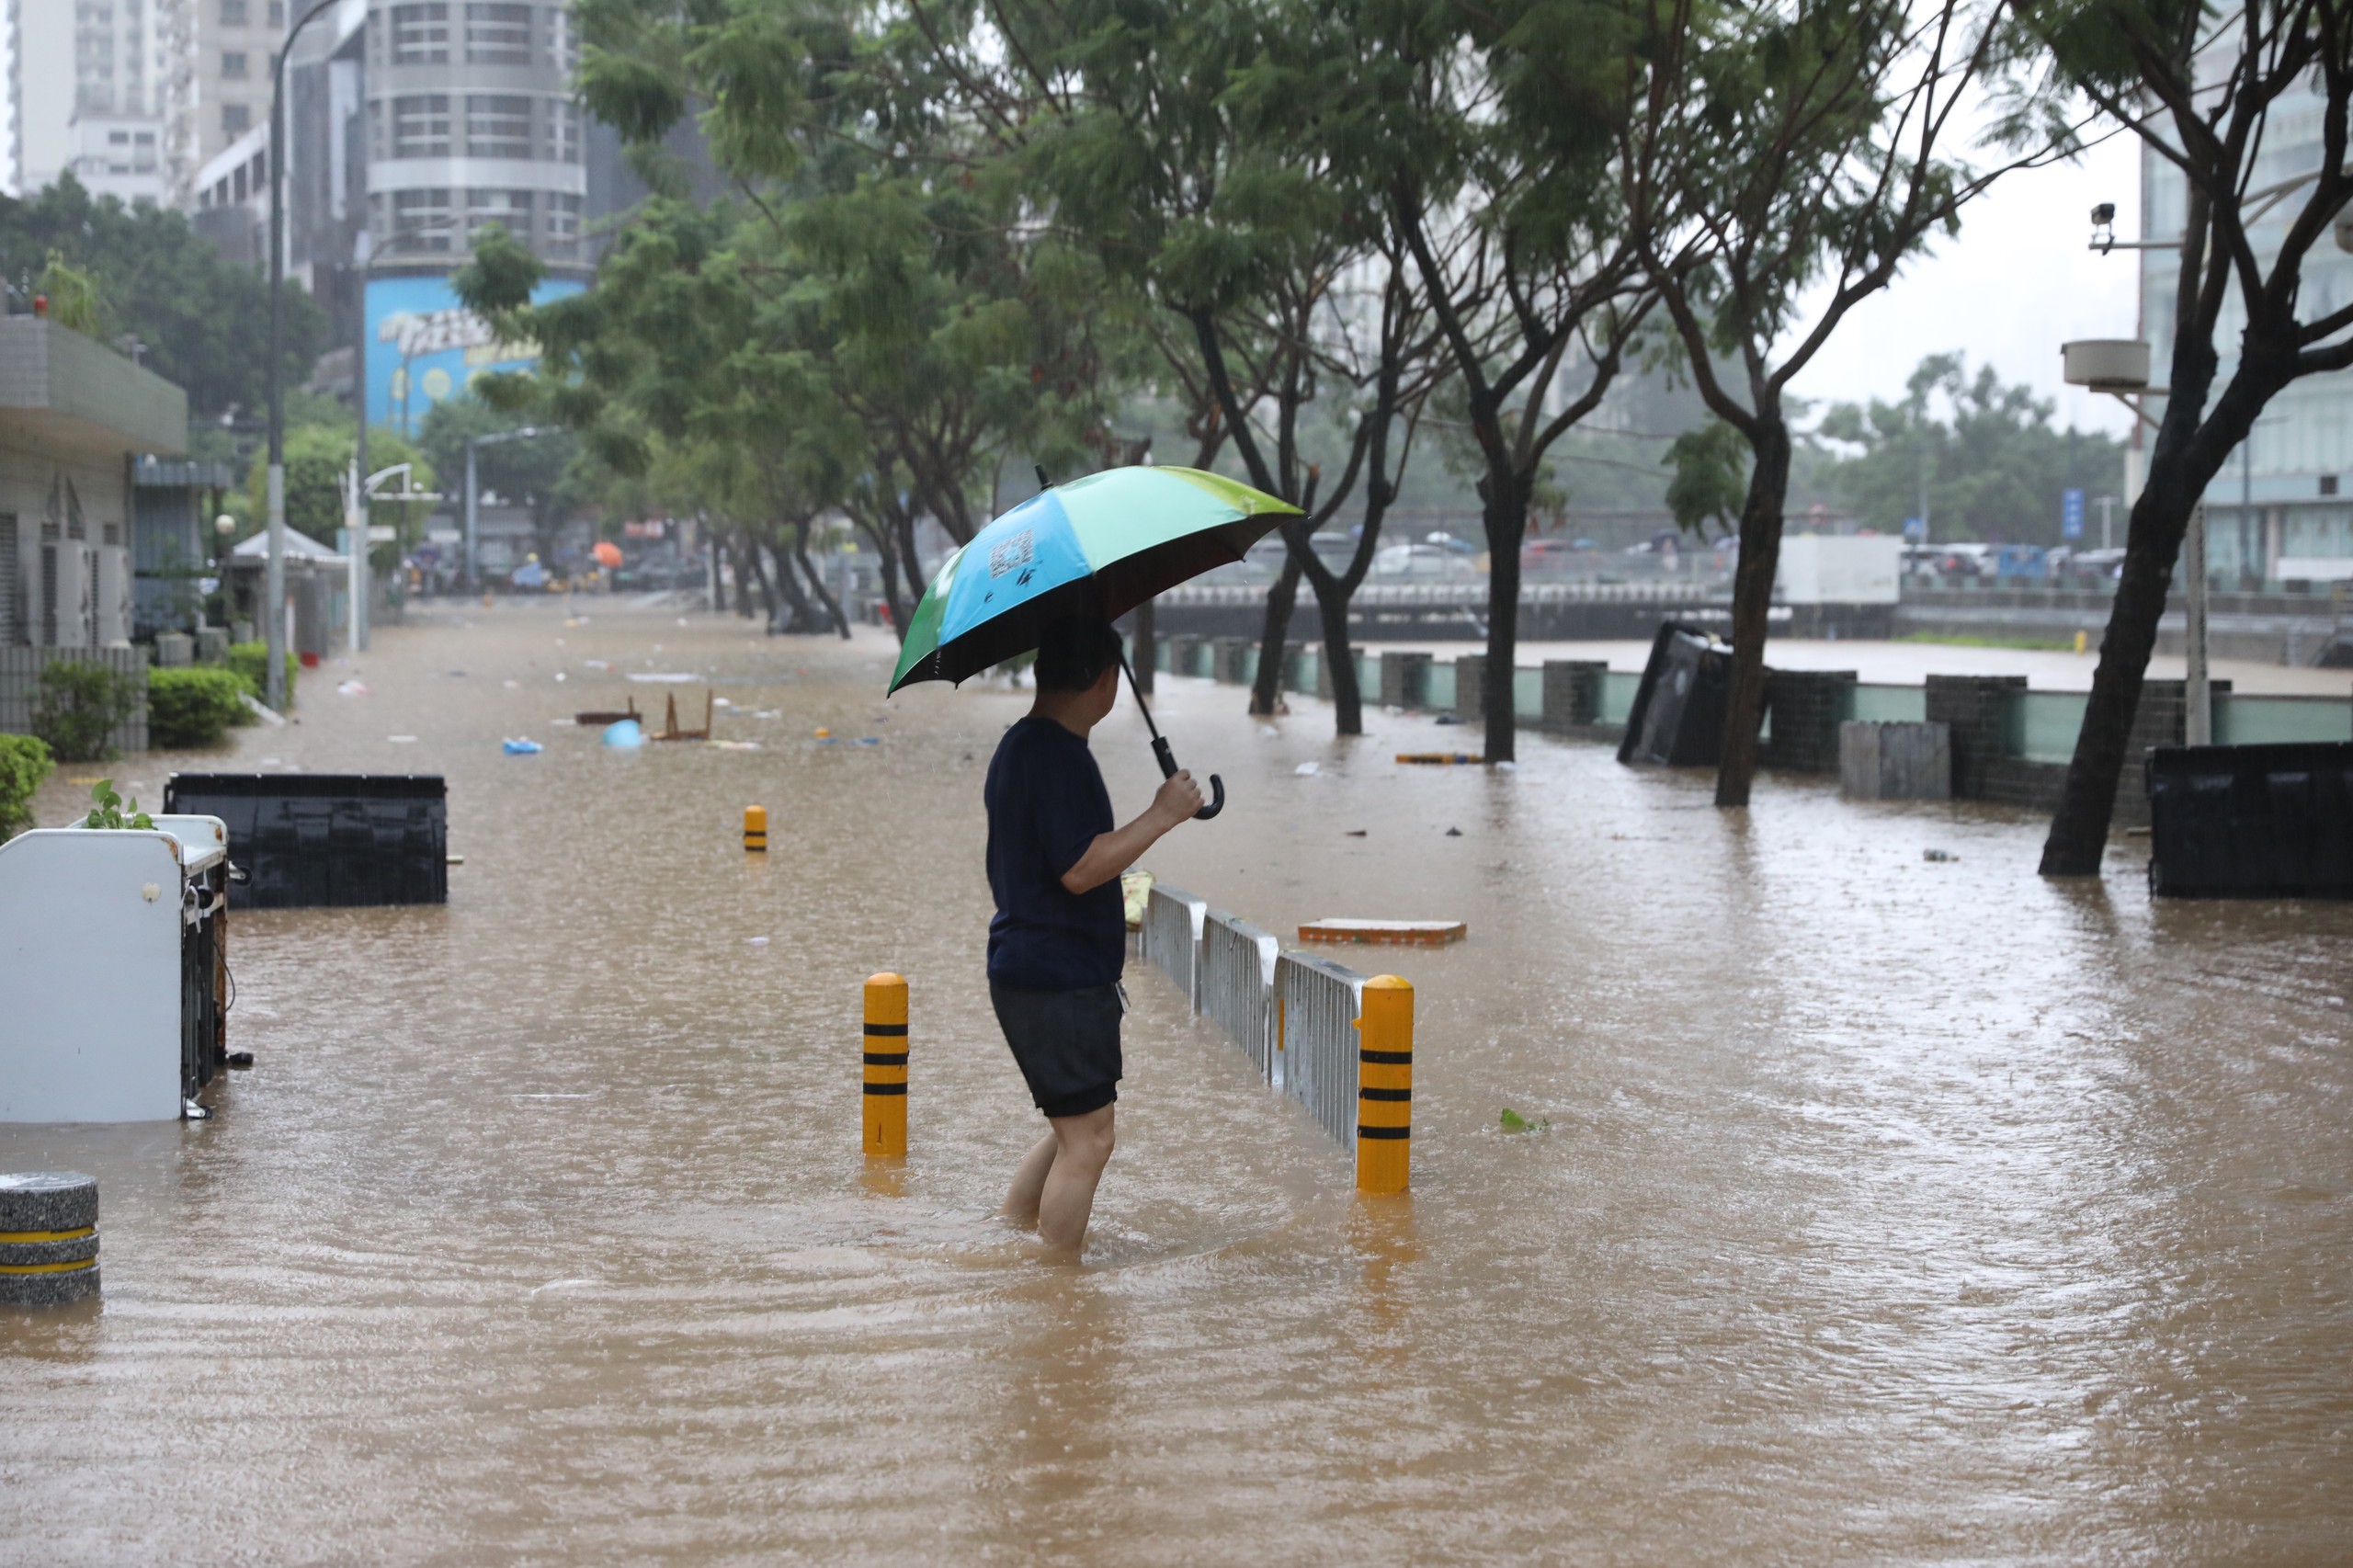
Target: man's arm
(1174, 801)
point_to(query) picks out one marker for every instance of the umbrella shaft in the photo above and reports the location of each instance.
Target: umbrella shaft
(1158, 745)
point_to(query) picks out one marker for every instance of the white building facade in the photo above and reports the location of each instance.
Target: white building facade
(2281, 510)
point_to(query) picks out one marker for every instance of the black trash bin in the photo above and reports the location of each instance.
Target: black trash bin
(2252, 822)
(327, 839)
(1677, 719)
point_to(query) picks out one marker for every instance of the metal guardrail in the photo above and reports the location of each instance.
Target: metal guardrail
(1236, 972)
(1293, 1016)
(1172, 937)
(1318, 1004)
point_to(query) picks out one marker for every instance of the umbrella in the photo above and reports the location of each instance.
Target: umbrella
(1097, 546)
(608, 553)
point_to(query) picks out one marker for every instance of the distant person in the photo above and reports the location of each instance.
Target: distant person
(1060, 937)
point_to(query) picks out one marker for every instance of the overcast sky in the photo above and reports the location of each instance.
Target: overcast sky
(2014, 284)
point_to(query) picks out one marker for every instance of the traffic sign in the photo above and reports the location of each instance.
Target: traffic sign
(1915, 529)
(2071, 513)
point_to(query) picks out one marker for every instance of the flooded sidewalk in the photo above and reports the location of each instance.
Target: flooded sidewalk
(1879, 1210)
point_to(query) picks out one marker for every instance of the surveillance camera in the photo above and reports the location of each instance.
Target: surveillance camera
(2104, 214)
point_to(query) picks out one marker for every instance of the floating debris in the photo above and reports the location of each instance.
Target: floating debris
(1937, 855)
(1515, 1122)
(351, 688)
(1305, 770)
(518, 746)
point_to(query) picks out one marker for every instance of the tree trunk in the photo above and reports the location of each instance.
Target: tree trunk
(1147, 655)
(816, 584)
(806, 618)
(760, 574)
(1506, 519)
(1752, 604)
(1266, 691)
(738, 548)
(911, 564)
(1348, 696)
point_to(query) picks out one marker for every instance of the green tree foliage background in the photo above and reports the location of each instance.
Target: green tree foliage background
(199, 315)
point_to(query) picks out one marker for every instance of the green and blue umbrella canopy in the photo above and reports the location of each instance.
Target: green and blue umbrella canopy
(1097, 546)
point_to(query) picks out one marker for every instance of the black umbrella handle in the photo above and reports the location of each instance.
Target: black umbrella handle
(1168, 770)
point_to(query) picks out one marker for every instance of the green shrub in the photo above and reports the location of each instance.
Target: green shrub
(192, 706)
(81, 705)
(251, 660)
(24, 762)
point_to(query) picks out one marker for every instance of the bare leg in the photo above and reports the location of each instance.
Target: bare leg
(1021, 1202)
(1084, 1148)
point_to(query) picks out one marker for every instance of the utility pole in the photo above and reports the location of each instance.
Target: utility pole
(274, 580)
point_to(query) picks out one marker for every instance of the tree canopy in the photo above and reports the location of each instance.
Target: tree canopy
(1992, 467)
(195, 315)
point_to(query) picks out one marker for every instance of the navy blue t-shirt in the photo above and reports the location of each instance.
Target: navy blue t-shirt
(1046, 805)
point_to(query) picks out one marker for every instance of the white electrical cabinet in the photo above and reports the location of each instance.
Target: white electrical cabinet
(114, 965)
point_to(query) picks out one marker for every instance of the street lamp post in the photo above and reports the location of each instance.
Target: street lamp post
(274, 581)
(2120, 367)
(355, 514)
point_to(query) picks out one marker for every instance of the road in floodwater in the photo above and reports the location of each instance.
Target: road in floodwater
(1888, 1211)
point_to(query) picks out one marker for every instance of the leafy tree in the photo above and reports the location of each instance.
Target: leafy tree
(873, 324)
(536, 470)
(318, 465)
(1496, 131)
(1205, 150)
(196, 314)
(1776, 164)
(1993, 470)
(2204, 87)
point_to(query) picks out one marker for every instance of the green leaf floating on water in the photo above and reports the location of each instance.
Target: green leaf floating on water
(1515, 1122)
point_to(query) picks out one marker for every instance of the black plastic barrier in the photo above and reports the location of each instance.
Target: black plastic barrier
(2252, 822)
(1677, 719)
(333, 839)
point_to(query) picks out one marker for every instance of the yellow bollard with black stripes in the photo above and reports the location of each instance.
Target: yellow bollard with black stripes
(886, 1066)
(755, 830)
(1386, 1085)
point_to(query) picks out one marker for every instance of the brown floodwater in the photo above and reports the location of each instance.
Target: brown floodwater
(1882, 1211)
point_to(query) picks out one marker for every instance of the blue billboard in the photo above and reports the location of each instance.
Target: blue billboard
(423, 346)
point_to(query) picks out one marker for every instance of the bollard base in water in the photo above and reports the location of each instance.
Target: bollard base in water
(49, 1238)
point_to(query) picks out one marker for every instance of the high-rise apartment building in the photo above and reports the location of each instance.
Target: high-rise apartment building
(471, 120)
(221, 54)
(88, 94)
(2281, 510)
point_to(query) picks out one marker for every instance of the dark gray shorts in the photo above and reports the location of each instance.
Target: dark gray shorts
(1066, 1043)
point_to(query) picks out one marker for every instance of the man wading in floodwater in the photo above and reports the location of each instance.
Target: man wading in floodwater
(1060, 936)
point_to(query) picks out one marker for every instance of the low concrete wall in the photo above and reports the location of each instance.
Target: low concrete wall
(1806, 709)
